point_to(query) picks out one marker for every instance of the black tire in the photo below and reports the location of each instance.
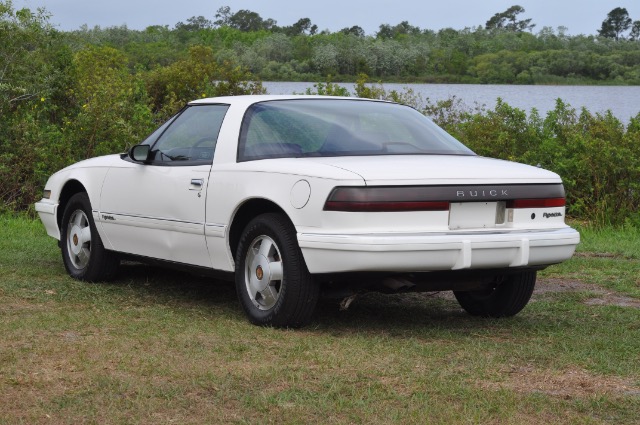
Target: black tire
(272, 281)
(510, 295)
(83, 253)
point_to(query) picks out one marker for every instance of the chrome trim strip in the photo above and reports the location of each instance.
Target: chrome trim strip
(215, 230)
(222, 226)
(173, 220)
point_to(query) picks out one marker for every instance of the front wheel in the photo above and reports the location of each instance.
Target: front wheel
(273, 284)
(83, 253)
(507, 298)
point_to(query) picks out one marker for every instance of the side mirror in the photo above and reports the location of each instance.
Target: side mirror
(139, 153)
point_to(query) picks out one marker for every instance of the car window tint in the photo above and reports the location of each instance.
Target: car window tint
(327, 127)
(191, 137)
(273, 126)
(151, 139)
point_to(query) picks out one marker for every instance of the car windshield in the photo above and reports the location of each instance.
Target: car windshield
(340, 127)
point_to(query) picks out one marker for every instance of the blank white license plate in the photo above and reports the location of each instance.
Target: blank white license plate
(474, 215)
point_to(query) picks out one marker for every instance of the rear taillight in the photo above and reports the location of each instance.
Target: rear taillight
(381, 199)
(536, 203)
(433, 198)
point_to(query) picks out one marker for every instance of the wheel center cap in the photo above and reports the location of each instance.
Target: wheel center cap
(259, 272)
(75, 239)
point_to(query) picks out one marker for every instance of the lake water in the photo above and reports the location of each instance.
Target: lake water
(623, 101)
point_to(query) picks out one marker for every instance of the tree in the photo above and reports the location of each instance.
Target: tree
(35, 73)
(198, 75)
(387, 31)
(384, 31)
(195, 23)
(405, 28)
(635, 31)
(24, 41)
(303, 26)
(223, 16)
(112, 111)
(508, 20)
(354, 30)
(247, 21)
(617, 22)
(243, 20)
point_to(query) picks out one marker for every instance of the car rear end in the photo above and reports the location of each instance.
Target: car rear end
(415, 214)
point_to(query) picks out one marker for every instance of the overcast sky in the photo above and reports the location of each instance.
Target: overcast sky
(579, 16)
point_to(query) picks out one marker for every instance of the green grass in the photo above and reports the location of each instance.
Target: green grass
(622, 241)
(158, 346)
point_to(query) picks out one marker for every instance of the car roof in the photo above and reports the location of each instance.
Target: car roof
(247, 100)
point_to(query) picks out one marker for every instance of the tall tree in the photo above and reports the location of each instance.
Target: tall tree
(635, 31)
(508, 20)
(223, 16)
(246, 20)
(387, 31)
(25, 41)
(617, 22)
(303, 26)
(354, 30)
(194, 23)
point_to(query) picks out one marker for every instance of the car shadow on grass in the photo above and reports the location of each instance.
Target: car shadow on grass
(168, 286)
(369, 311)
(373, 311)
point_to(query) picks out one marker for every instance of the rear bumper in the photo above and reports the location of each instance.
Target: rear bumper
(335, 253)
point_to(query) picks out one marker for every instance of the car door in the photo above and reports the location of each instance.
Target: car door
(157, 208)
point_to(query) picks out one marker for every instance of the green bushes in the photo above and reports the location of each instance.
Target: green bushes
(59, 106)
(197, 76)
(65, 97)
(596, 156)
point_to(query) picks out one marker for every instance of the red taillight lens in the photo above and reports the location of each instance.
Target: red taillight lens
(386, 206)
(433, 198)
(381, 199)
(536, 203)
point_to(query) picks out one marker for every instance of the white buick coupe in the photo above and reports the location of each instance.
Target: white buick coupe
(298, 196)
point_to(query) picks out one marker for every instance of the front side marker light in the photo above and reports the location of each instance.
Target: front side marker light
(46, 194)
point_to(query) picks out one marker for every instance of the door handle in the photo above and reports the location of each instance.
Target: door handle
(196, 184)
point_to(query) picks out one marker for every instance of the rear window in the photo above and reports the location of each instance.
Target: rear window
(328, 127)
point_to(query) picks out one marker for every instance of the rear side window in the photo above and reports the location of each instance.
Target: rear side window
(191, 137)
(276, 131)
(328, 127)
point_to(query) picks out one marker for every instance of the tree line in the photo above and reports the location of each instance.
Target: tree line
(67, 96)
(504, 51)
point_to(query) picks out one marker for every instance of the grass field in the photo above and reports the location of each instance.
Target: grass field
(158, 347)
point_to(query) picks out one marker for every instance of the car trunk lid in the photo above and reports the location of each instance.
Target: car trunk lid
(438, 169)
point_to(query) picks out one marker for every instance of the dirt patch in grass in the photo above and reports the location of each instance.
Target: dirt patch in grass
(613, 299)
(555, 285)
(598, 255)
(607, 256)
(549, 286)
(567, 384)
(603, 297)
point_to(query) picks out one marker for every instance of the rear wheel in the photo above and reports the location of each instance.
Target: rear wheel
(510, 295)
(83, 253)
(273, 284)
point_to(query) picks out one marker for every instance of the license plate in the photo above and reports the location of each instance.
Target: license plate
(476, 215)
